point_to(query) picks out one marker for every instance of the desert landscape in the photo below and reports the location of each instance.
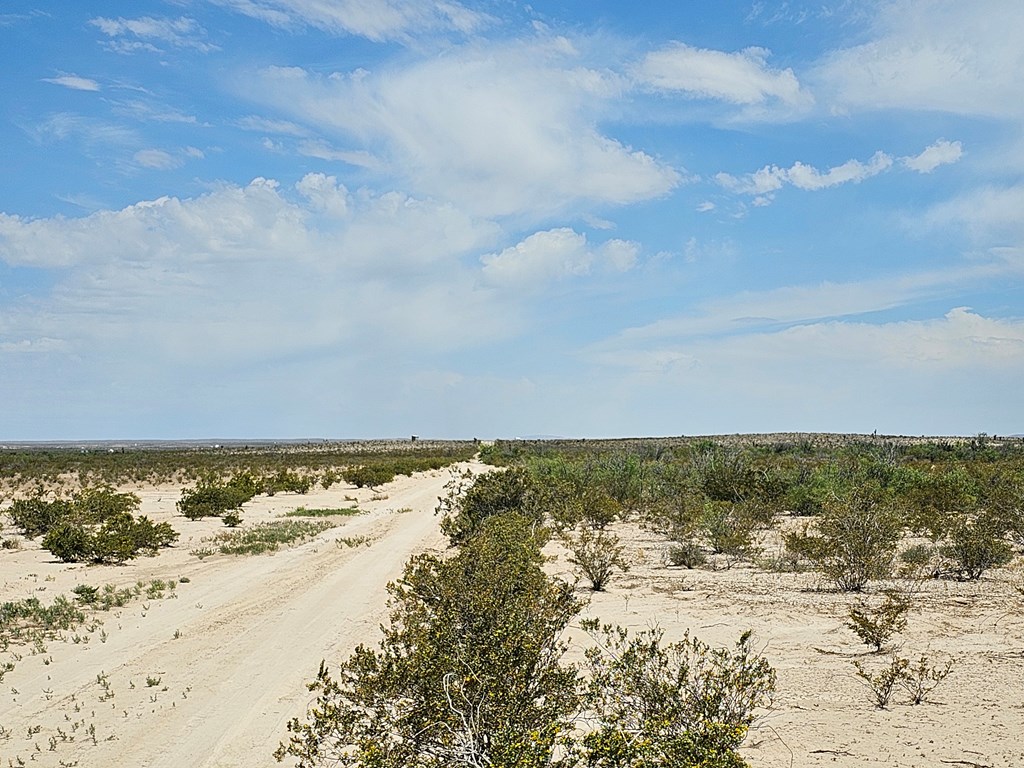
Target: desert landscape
(205, 657)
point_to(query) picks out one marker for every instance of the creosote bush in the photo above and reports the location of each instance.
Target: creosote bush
(918, 680)
(213, 498)
(666, 705)
(856, 539)
(876, 626)
(598, 554)
(467, 673)
(93, 525)
(472, 500)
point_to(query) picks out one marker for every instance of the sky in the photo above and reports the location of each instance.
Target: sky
(490, 218)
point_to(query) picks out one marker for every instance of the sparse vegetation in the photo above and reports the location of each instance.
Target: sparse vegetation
(341, 512)
(266, 537)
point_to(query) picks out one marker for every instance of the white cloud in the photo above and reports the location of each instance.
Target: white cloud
(439, 122)
(807, 177)
(942, 55)
(74, 82)
(249, 274)
(132, 35)
(377, 20)
(741, 78)
(157, 159)
(553, 255)
(140, 110)
(942, 152)
(990, 212)
(751, 313)
(771, 178)
(268, 125)
(324, 193)
(706, 206)
(324, 151)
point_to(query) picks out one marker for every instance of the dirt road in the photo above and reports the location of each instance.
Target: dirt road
(210, 677)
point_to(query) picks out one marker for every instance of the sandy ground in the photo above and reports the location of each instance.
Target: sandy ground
(231, 649)
(823, 713)
(210, 676)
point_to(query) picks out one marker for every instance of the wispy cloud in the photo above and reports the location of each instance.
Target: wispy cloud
(743, 77)
(377, 20)
(143, 34)
(933, 55)
(269, 125)
(756, 312)
(436, 122)
(74, 82)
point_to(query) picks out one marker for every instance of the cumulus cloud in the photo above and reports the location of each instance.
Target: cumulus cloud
(741, 78)
(771, 178)
(133, 35)
(74, 82)
(553, 255)
(377, 20)
(243, 275)
(942, 152)
(807, 177)
(502, 130)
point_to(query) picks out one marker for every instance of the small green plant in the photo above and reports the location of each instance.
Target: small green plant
(86, 595)
(231, 518)
(353, 541)
(688, 554)
(921, 679)
(875, 626)
(153, 682)
(884, 683)
(598, 554)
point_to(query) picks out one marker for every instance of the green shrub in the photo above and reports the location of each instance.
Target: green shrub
(688, 554)
(69, 542)
(212, 498)
(35, 517)
(728, 528)
(472, 500)
(368, 476)
(286, 480)
(467, 672)
(883, 683)
(875, 626)
(598, 554)
(681, 704)
(855, 542)
(118, 538)
(973, 545)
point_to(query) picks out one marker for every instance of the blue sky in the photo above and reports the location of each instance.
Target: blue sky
(360, 218)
